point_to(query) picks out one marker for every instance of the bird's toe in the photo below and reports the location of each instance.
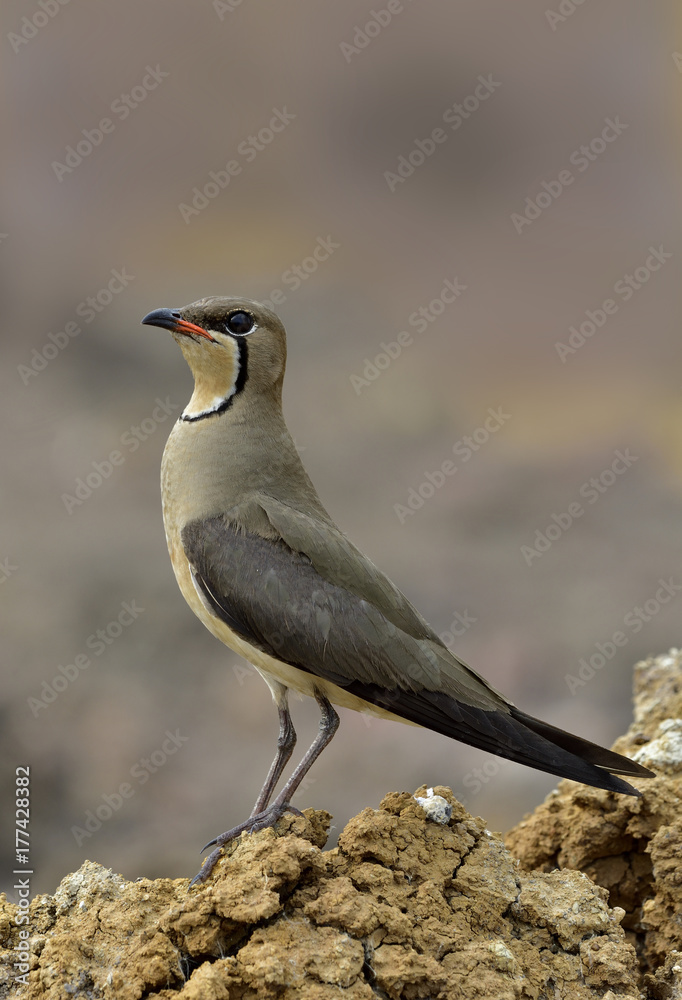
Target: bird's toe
(268, 817)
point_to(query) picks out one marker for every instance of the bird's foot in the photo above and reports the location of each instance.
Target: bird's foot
(257, 821)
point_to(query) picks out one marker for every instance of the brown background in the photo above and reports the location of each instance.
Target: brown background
(323, 176)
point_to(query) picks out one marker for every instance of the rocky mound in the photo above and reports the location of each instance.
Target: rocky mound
(404, 908)
(632, 847)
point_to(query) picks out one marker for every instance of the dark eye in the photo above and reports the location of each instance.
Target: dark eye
(239, 323)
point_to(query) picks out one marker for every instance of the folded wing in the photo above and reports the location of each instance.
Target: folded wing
(306, 596)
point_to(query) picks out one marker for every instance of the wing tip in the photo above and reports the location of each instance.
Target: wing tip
(606, 765)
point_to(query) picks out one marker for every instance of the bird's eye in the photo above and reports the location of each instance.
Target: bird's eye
(239, 323)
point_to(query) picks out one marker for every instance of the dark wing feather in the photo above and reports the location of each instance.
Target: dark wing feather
(282, 601)
(274, 597)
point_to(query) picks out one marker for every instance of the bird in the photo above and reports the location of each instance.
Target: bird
(265, 568)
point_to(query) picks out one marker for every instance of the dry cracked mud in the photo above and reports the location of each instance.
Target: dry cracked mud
(583, 900)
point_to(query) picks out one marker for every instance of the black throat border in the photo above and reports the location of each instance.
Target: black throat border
(242, 378)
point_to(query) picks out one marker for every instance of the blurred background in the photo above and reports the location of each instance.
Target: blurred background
(525, 155)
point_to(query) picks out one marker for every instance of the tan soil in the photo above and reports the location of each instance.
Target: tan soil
(404, 908)
(632, 847)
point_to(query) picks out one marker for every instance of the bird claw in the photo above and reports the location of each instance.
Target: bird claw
(268, 817)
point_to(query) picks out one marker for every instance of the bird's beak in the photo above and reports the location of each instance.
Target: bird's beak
(170, 319)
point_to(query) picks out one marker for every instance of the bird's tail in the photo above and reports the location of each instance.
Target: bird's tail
(599, 759)
(510, 733)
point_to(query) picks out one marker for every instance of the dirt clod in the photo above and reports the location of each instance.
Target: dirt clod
(404, 908)
(632, 847)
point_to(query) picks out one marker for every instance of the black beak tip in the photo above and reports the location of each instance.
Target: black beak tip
(167, 319)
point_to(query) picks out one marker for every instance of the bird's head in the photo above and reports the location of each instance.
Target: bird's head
(228, 343)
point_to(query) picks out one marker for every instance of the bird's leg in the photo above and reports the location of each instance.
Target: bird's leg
(286, 741)
(329, 723)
